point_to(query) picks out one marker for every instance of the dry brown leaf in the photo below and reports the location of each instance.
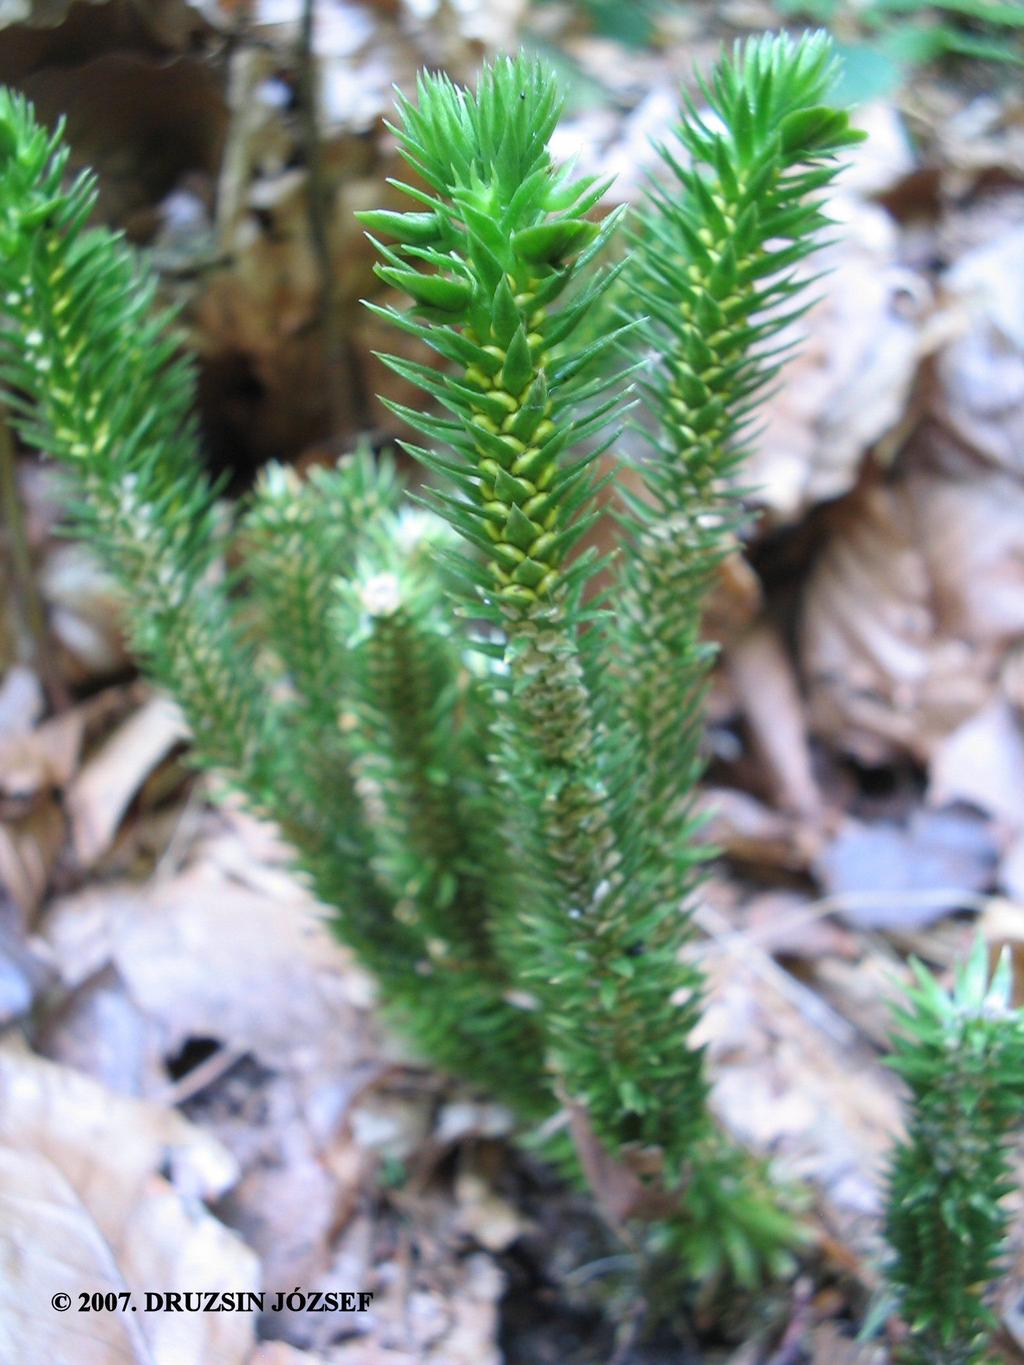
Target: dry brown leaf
(43, 758)
(206, 957)
(982, 762)
(763, 678)
(849, 383)
(84, 613)
(749, 831)
(892, 868)
(102, 791)
(101, 1032)
(826, 1111)
(980, 395)
(49, 1244)
(69, 1117)
(882, 678)
(969, 524)
(29, 848)
(84, 1210)
(228, 949)
(21, 701)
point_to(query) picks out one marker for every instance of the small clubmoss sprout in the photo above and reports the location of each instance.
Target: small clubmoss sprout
(961, 1054)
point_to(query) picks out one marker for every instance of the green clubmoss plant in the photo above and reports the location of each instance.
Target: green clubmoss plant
(484, 769)
(961, 1054)
(597, 729)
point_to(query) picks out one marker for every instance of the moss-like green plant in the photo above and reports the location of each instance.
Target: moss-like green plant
(961, 1054)
(486, 775)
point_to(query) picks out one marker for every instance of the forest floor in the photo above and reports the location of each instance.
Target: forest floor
(196, 1087)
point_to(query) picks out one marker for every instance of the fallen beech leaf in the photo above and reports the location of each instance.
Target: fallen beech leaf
(257, 970)
(882, 677)
(84, 612)
(29, 847)
(101, 792)
(751, 832)
(21, 700)
(83, 1210)
(49, 1244)
(763, 678)
(43, 758)
(71, 1119)
(982, 762)
(980, 393)
(826, 1111)
(969, 524)
(849, 383)
(950, 853)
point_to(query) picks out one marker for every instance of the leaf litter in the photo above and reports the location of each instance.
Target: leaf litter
(196, 1084)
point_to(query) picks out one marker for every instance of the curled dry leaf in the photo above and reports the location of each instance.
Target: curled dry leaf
(84, 1210)
(41, 759)
(84, 613)
(982, 762)
(30, 844)
(881, 675)
(825, 1110)
(101, 792)
(911, 608)
(980, 396)
(21, 701)
(751, 832)
(888, 876)
(764, 681)
(848, 385)
(227, 949)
